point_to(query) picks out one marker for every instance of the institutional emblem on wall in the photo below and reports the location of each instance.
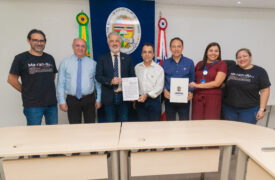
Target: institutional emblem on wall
(124, 22)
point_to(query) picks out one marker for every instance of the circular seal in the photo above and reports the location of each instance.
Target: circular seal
(162, 23)
(125, 23)
(82, 19)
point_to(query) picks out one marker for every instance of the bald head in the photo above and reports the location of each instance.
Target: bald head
(79, 47)
(78, 39)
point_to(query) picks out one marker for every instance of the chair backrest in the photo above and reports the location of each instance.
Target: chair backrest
(230, 63)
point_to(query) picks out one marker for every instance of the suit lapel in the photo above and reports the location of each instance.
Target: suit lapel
(110, 63)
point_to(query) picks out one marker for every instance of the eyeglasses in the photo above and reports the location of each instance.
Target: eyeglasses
(80, 46)
(38, 41)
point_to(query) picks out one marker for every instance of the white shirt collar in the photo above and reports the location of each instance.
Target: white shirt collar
(112, 54)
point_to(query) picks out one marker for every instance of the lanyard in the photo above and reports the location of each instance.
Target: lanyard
(205, 71)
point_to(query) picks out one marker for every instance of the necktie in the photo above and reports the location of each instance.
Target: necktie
(78, 80)
(116, 67)
(116, 70)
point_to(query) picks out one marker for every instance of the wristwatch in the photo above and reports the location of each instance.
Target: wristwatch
(262, 109)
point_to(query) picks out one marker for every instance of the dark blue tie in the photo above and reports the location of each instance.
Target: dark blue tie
(78, 81)
(116, 67)
(116, 70)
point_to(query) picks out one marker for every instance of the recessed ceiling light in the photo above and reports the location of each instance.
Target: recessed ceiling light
(239, 2)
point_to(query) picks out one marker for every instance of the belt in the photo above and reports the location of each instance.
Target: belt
(82, 97)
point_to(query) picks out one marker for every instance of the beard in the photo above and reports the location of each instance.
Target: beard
(38, 48)
(115, 49)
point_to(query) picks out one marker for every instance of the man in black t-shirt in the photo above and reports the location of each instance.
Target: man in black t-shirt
(37, 71)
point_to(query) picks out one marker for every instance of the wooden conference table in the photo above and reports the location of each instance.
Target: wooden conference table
(60, 139)
(191, 135)
(186, 135)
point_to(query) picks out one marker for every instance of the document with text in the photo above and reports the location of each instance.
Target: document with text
(179, 90)
(130, 89)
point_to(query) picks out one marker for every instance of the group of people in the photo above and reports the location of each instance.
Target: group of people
(84, 85)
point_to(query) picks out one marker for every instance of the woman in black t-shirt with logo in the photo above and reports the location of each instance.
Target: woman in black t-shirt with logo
(247, 90)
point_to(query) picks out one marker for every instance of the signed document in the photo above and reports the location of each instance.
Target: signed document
(130, 89)
(179, 90)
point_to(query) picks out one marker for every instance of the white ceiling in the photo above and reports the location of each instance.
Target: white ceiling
(223, 3)
(220, 3)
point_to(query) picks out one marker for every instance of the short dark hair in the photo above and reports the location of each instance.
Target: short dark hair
(36, 31)
(147, 44)
(176, 38)
(243, 49)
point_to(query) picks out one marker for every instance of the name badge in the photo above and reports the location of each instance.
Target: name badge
(203, 81)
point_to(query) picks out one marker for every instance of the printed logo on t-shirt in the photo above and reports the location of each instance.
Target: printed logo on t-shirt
(240, 77)
(40, 68)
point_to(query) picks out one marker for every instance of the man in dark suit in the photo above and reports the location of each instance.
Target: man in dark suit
(111, 67)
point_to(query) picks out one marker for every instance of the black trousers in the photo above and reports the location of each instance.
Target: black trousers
(77, 107)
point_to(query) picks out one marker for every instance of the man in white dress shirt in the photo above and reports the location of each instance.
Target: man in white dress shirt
(151, 81)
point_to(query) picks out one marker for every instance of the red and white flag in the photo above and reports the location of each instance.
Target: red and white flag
(162, 52)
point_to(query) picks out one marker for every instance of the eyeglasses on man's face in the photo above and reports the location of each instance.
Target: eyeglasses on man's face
(80, 46)
(41, 41)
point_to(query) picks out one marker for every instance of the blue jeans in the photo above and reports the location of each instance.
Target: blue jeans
(118, 111)
(150, 110)
(241, 115)
(34, 115)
